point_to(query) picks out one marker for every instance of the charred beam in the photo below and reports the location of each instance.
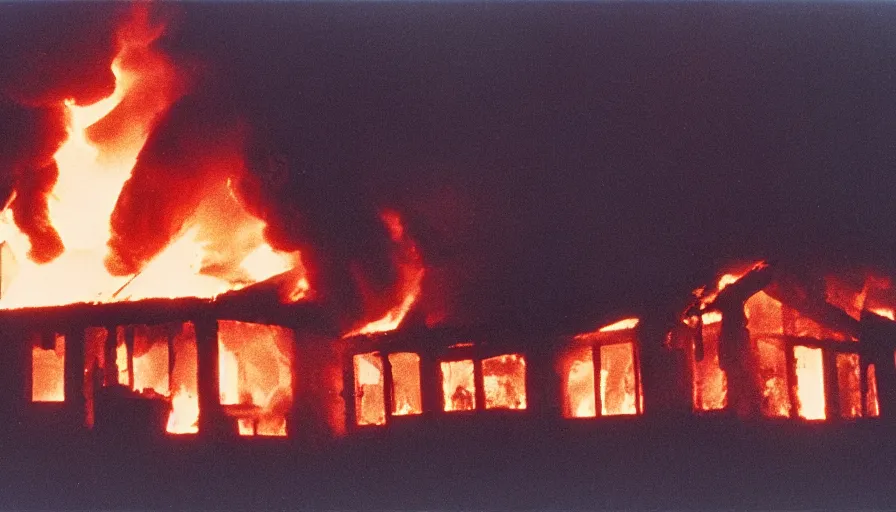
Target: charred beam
(74, 375)
(737, 359)
(211, 413)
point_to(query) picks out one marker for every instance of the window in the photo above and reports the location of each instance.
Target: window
(406, 397)
(849, 389)
(47, 367)
(795, 362)
(809, 382)
(373, 374)
(579, 393)
(871, 403)
(160, 366)
(710, 381)
(504, 382)
(458, 385)
(617, 380)
(610, 354)
(255, 375)
(502, 377)
(369, 389)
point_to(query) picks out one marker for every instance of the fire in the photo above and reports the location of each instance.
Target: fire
(617, 380)
(615, 346)
(579, 390)
(706, 297)
(809, 382)
(47, 369)
(872, 406)
(411, 271)
(255, 376)
(458, 385)
(884, 312)
(184, 413)
(622, 325)
(370, 386)
(849, 385)
(90, 180)
(504, 382)
(369, 390)
(406, 393)
(710, 381)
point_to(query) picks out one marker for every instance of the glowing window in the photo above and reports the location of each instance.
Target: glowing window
(504, 382)
(369, 389)
(157, 374)
(849, 385)
(255, 375)
(121, 357)
(809, 382)
(608, 353)
(772, 378)
(458, 385)
(710, 384)
(871, 403)
(579, 390)
(150, 361)
(47, 368)
(184, 415)
(406, 397)
(617, 380)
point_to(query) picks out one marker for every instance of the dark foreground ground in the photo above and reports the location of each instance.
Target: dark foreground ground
(690, 463)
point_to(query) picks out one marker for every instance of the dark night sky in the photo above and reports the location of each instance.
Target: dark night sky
(554, 160)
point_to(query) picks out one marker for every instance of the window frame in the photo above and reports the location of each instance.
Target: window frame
(477, 352)
(388, 388)
(593, 342)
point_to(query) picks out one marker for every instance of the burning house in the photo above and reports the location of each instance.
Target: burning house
(176, 312)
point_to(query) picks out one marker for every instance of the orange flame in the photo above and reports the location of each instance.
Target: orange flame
(618, 372)
(411, 271)
(622, 325)
(91, 178)
(47, 369)
(255, 376)
(884, 312)
(710, 384)
(184, 413)
(706, 297)
(809, 382)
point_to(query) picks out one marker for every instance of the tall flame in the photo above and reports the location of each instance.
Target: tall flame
(411, 271)
(91, 178)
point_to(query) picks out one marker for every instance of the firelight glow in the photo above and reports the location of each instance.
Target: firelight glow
(219, 249)
(411, 271)
(87, 190)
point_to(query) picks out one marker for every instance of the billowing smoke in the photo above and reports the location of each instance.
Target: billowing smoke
(45, 59)
(551, 163)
